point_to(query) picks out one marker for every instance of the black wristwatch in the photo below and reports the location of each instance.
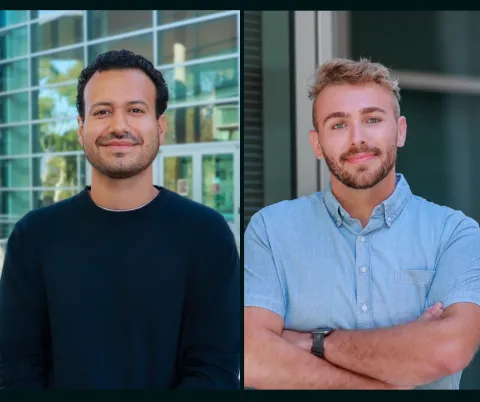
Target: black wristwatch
(318, 336)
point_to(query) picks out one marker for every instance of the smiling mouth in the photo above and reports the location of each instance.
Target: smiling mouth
(360, 158)
(116, 145)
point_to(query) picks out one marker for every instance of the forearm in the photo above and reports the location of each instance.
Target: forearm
(271, 362)
(412, 354)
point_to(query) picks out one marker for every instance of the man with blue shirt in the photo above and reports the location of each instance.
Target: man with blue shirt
(363, 285)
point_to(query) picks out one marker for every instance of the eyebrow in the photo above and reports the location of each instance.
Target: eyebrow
(134, 102)
(365, 110)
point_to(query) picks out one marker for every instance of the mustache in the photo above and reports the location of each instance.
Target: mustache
(357, 150)
(125, 136)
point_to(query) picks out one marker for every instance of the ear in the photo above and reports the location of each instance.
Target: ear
(80, 130)
(314, 141)
(162, 128)
(402, 131)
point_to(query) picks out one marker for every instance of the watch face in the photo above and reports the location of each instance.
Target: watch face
(323, 330)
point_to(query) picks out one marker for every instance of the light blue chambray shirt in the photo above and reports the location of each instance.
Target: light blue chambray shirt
(308, 261)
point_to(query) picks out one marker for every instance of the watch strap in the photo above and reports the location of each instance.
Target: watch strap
(317, 344)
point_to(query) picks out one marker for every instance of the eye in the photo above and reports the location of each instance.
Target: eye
(136, 110)
(374, 120)
(101, 112)
(338, 126)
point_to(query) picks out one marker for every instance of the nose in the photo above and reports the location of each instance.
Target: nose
(356, 134)
(118, 124)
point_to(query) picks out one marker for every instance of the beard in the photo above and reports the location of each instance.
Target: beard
(122, 165)
(362, 179)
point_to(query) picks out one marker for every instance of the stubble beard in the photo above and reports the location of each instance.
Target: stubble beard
(122, 166)
(362, 179)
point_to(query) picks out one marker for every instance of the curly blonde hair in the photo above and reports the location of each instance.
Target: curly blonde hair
(345, 71)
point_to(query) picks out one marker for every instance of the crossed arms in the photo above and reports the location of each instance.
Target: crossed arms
(400, 357)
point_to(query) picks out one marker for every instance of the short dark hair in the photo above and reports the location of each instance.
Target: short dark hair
(122, 60)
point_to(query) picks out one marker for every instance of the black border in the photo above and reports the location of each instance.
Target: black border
(241, 194)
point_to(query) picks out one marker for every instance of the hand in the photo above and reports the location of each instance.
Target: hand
(432, 313)
(301, 339)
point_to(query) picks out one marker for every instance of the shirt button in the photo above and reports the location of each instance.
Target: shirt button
(362, 238)
(389, 220)
(363, 269)
(364, 307)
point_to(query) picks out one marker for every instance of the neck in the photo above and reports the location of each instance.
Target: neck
(122, 194)
(361, 203)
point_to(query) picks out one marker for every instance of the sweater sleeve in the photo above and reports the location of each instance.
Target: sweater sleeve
(211, 339)
(23, 317)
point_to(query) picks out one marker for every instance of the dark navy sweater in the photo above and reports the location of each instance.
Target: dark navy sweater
(97, 299)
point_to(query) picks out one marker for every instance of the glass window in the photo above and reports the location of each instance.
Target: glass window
(46, 14)
(10, 17)
(206, 81)
(57, 102)
(14, 108)
(14, 140)
(218, 185)
(167, 16)
(61, 30)
(439, 159)
(13, 205)
(56, 136)
(435, 41)
(15, 172)
(43, 198)
(227, 119)
(203, 39)
(103, 23)
(57, 67)
(142, 45)
(202, 123)
(177, 173)
(7, 223)
(14, 75)
(13, 43)
(58, 170)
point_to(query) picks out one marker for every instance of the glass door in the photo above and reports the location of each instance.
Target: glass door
(208, 173)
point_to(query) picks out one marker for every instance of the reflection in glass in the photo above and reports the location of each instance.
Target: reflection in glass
(15, 172)
(59, 171)
(206, 81)
(13, 205)
(14, 75)
(218, 189)
(34, 14)
(203, 123)
(51, 196)
(10, 17)
(56, 136)
(62, 30)
(14, 140)
(202, 39)
(177, 173)
(103, 23)
(13, 43)
(167, 16)
(141, 44)
(54, 102)
(57, 67)
(14, 108)
(429, 41)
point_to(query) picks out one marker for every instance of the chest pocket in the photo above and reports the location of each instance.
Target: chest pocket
(411, 288)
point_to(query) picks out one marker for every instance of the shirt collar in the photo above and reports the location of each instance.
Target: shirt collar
(388, 210)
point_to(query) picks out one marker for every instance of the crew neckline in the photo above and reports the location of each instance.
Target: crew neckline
(101, 213)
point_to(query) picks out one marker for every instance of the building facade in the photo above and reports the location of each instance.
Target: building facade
(42, 53)
(433, 53)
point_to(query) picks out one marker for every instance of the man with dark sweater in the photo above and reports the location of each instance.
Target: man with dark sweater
(125, 285)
